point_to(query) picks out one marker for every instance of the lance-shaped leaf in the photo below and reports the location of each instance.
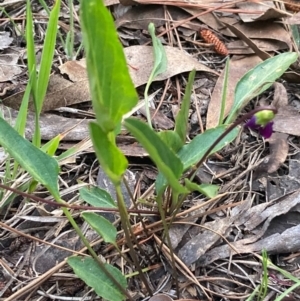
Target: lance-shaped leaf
(258, 79)
(163, 156)
(113, 93)
(109, 155)
(89, 271)
(39, 165)
(102, 226)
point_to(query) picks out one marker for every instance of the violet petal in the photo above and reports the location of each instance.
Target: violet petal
(251, 123)
(267, 130)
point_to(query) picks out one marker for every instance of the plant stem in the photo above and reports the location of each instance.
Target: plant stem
(126, 227)
(92, 252)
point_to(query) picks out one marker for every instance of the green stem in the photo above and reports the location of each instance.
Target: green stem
(127, 227)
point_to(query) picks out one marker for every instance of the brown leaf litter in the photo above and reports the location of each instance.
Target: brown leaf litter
(215, 241)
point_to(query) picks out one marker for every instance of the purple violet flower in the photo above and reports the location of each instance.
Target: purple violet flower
(262, 121)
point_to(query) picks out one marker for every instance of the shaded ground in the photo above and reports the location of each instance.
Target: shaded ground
(258, 204)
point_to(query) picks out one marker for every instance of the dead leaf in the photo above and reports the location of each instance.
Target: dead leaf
(5, 39)
(267, 9)
(257, 220)
(139, 17)
(279, 149)
(111, 2)
(9, 67)
(279, 186)
(262, 54)
(76, 70)
(199, 244)
(160, 120)
(240, 47)
(271, 30)
(294, 20)
(62, 92)
(141, 59)
(280, 96)
(287, 121)
(237, 68)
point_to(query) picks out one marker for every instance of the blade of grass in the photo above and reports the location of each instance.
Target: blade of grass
(45, 68)
(160, 66)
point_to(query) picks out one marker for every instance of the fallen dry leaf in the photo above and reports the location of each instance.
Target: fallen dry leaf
(5, 39)
(141, 59)
(280, 96)
(9, 66)
(199, 244)
(267, 9)
(257, 220)
(287, 121)
(62, 92)
(139, 17)
(279, 149)
(279, 186)
(240, 47)
(264, 30)
(262, 54)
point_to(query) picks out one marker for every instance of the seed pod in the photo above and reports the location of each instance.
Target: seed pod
(210, 38)
(292, 5)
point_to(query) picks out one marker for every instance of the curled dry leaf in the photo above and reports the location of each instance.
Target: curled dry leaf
(267, 9)
(279, 149)
(280, 96)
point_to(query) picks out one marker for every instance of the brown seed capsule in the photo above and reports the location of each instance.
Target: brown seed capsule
(292, 5)
(210, 38)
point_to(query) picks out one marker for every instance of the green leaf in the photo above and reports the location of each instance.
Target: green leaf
(181, 120)
(113, 93)
(193, 152)
(39, 165)
(88, 270)
(21, 120)
(51, 146)
(47, 57)
(110, 157)
(208, 190)
(102, 226)
(163, 156)
(31, 61)
(160, 66)
(171, 139)
(160, 56)
(97, 197)
(259, 79)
